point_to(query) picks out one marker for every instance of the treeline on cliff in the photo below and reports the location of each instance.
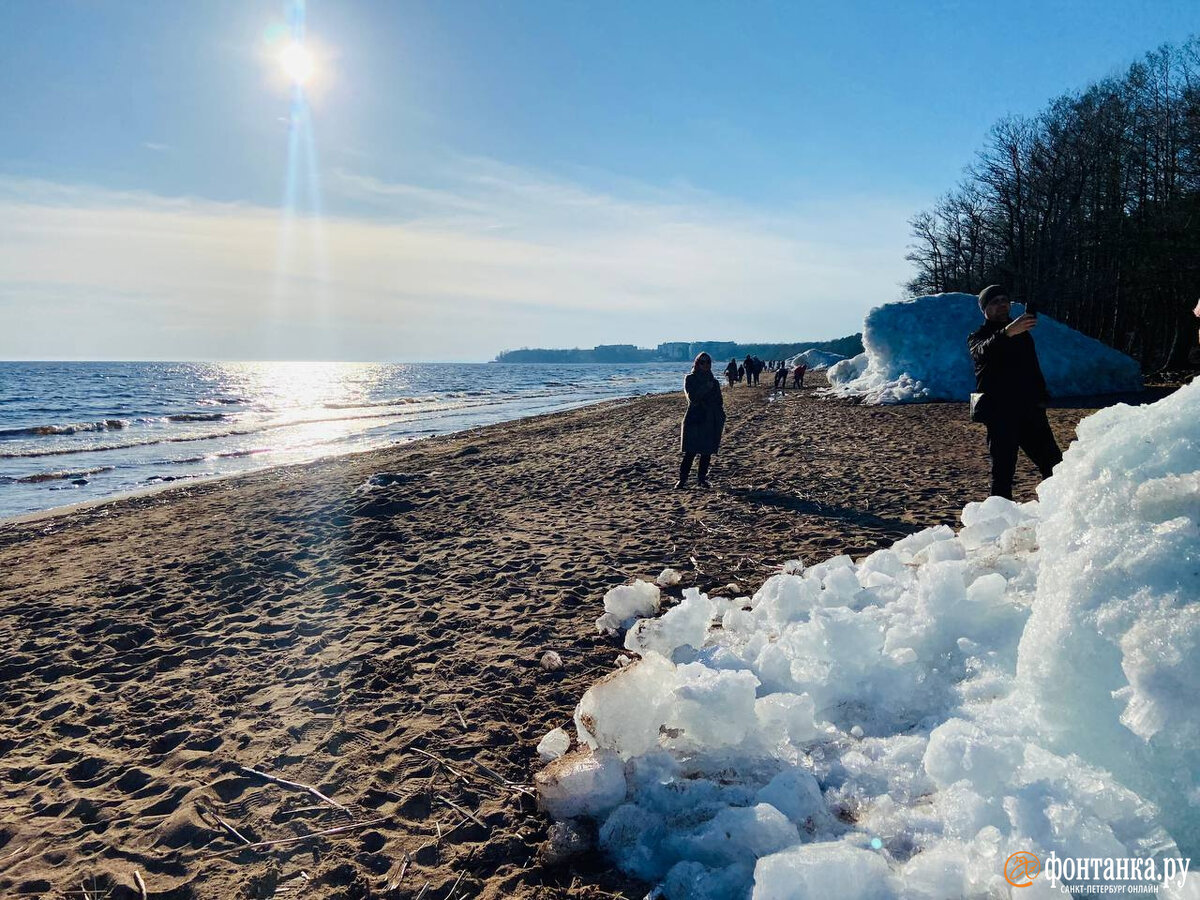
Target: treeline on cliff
(1091, 209)
(680, 351)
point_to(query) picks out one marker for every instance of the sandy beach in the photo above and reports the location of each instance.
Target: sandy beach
(370, 627)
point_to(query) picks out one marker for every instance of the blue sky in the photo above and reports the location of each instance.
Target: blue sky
(498, 174)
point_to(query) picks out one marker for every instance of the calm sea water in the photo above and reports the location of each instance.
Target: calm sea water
(71, 432)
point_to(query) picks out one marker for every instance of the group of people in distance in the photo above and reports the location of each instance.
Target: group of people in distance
(752, 367)
(1010, 399)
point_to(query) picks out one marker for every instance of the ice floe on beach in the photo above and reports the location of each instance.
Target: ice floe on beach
(916, 350)
(900, 726)
(816, 360)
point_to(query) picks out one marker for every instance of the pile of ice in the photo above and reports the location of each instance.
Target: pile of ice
(916, 350)
(816, 360)
(898, 727)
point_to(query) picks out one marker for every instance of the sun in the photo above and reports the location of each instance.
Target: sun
(297, 63)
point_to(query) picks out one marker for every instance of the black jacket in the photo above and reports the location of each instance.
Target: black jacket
(705, 417)
(1006, 368)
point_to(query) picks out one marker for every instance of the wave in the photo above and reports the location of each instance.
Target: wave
(238, 454)
(221, 401)
(39, 477)
(369, 404)
(70, 428)
(196, 417)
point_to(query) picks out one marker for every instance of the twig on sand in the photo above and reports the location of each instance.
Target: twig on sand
(458, 881)
(423, 890)
(466, 812)
(15, 851)
(141, 885)
(461, 720)
(233, 831)
(340, 829)
(501, 780)
(437, 759)
(394, 881)
(295, 785)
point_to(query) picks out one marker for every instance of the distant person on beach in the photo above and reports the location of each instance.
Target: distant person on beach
(748, 367)
(781, 375)
(741, 373)
(798, 375)
(732, 372)
(703, 422)
(1011, 391)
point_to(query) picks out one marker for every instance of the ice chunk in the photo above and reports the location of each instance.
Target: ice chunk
(689, 880)
(668, 578)
(581, 783)
(630, 601)
(845, 371)
(685, 625)
(786, 598)
(784, 717)
(936, 873)
(713, 708)
(815, 871)
(634, 835)
(796, 794)
(625, 710)
(959, 750)
(608, 624)
(554, 744)
(735, 834)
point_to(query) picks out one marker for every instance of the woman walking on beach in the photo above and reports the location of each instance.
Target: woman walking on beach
(703, 422)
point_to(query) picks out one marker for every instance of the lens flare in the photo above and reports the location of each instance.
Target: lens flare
(297, 63)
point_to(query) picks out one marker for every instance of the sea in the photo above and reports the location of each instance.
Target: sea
(77, 431)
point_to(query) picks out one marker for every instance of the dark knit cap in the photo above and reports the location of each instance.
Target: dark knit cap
(990, 293)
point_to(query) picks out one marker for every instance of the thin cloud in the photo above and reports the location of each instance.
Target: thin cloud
(488, 258)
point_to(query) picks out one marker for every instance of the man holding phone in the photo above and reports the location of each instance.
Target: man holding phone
(1014, 395)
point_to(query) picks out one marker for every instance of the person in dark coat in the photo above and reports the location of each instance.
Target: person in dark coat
(781, 375)
(754, 369)
(748, 367)
(1013, 405)
(703, 423)
(731, 372)
(798, 375)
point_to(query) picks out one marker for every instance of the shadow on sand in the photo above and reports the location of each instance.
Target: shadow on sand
(824, 510)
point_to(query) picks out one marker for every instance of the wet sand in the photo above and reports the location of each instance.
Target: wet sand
(380, 643)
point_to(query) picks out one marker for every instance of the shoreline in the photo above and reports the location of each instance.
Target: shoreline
(183, 484)
(372, 625)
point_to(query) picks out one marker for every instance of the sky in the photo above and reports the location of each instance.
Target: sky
(458, 178)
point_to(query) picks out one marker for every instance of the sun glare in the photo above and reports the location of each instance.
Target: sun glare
(297, 63)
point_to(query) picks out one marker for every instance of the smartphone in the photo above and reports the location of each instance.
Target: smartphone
(1031, 309)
